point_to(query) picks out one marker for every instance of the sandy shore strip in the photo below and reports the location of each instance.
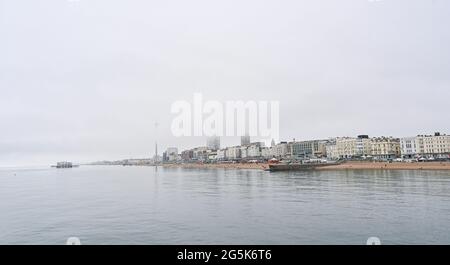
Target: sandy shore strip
(389, 166)
(344, 166)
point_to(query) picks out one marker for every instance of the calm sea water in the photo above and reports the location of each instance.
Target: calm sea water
(142, 205)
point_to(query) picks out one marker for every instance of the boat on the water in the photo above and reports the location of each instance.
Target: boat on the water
(299, 166)
(64, 164)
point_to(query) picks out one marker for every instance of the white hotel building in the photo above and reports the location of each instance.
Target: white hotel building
(436, 146)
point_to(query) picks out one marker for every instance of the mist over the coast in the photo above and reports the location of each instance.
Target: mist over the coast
(87, 80)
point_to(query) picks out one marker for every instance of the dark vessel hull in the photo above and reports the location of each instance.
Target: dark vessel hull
(298, 167)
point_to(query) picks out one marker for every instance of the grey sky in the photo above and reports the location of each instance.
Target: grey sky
(86, 80)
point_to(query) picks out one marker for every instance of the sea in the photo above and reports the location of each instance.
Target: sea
(156, 205)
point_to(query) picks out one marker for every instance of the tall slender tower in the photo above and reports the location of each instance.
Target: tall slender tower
(156, 152)
(272, 144)
(156, 144)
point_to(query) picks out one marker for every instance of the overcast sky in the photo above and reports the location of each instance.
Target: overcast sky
(86, 80)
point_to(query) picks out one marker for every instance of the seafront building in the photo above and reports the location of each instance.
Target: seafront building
(363, 146)
(409, 147)
(171, 154)
(359, 147)
(243, 151)
(212, 156)
(281, 150)
(254, 149)
(385, 147)
(251, 151)
(331, 149)
(187, 155)
(213, 143)
(233, 153)
(347, 147)
(266, 152)
(200, 153)
(221, 155)
(307, 149)
(426, 146)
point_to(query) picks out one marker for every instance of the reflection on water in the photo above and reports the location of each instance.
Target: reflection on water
(139, 205)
